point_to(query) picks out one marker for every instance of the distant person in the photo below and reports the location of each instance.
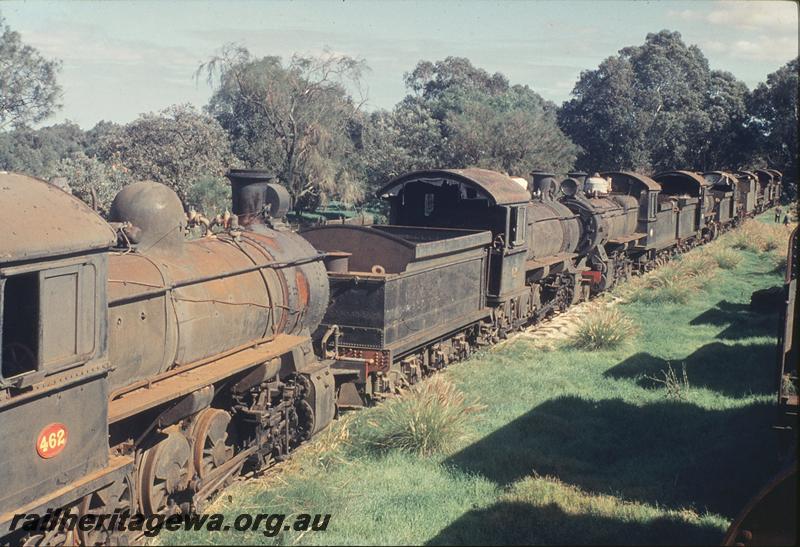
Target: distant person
(786, 220)
(778, 214)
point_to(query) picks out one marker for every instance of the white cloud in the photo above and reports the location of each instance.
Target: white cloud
(749, 15)
(759, 48)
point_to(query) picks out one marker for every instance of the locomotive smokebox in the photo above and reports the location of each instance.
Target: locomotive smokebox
(155, 213)
(545, 183)
(257, 196)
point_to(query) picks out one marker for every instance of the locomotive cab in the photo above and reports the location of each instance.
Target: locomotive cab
(475, 199)
(54, 363)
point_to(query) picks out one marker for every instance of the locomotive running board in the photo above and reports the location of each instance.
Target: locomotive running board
(162, 390)
(117, 466)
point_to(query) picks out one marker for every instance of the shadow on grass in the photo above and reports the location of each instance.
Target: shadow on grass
(519, 523)
(733, 370)
(671, 453)
(741, 321)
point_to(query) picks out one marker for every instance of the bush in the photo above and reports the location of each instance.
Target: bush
(210, 196)
(725, 257)
(606, 328)
(675, 282)
(758, 237)
(430, 418)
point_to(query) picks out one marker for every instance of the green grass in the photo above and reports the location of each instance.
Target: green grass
(571, 446)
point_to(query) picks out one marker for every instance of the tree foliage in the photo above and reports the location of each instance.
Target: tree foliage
(773, 105)
(656, 106)
(37, 151)
(458, 115)
(177, 147)
(29, 92)
(91, 180)
(295, 119)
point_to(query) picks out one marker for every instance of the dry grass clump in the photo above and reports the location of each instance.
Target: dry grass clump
(432, 417)
(725, 257)
(675, 282)
(675, 386)
(605, 328)
(759, 237)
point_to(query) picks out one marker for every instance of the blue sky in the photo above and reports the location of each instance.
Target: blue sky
(124, 58)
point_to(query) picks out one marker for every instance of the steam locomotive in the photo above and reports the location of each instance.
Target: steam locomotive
(471, 255)
(141, 371)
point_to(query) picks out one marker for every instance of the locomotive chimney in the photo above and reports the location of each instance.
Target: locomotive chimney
(545, 184)
(580, 176)
(257, 198)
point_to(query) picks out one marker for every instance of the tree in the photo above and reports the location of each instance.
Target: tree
(177, 147)
(37, 151)
(296, 119)
(458, 115)
(209, 195)
(515, 132)
(28, 89)
(91, 180)
(393, 143)
(653, 107)
(773, 106)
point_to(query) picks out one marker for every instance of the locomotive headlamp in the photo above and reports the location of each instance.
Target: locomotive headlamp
(569, 187)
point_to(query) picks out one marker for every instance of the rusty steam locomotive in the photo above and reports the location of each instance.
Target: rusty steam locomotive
(142, 371)
(470, 256)
(142, 376)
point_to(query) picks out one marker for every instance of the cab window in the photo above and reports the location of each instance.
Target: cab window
(517, 225)
(20, 324)
(48, 319)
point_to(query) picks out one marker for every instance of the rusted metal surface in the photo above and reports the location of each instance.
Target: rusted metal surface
(190, 377)
(68, 492)
(787, 340)
(195, 299)
(394, 248)
(628, 182)
(428, 277)
(40, 220)
(682, 182)
(552, 230)
(496, 187)
(770, 517)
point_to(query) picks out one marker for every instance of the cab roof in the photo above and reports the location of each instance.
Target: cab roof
(498, 188)
(38, 220)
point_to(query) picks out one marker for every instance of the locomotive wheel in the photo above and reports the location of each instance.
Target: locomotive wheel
(165, 471)
(116, 496)
(306, 419)
(211, 441)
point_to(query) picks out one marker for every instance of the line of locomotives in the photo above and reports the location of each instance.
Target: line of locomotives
(142, 371)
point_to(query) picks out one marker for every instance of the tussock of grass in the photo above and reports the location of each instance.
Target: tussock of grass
(675, 282)
(725, 257)
(605, 328)
(328, 448)
(758, 237)
(428, 419)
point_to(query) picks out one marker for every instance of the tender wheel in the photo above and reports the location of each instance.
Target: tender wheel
(165, 472)
(212, 446)
(116, 497)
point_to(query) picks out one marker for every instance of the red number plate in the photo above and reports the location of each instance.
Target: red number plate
(51, 441)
